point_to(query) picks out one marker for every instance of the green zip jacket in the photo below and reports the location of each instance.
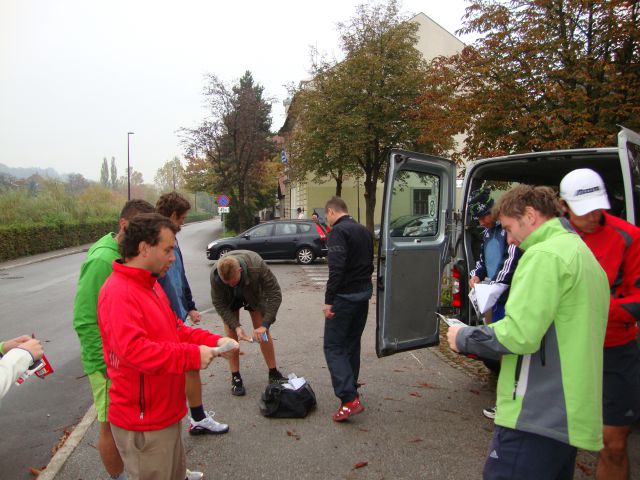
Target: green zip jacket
(550, 340)
(260, 289)
(93, 273)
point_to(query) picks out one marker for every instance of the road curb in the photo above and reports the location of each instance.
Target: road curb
(61, 456)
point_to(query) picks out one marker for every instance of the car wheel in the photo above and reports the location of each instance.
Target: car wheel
(305, 256)
(223, 251)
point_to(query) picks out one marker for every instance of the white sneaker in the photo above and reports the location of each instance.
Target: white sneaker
(194, 475)
(489, 412)
(207, 425)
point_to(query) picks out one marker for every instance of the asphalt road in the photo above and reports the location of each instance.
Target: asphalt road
(38, 298)
(423, 417)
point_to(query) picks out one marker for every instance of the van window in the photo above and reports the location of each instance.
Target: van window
(633, 152)
(414, 206)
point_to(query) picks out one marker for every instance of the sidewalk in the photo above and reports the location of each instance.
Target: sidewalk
(41, 257)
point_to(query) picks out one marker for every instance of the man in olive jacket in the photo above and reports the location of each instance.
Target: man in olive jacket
(242, 279)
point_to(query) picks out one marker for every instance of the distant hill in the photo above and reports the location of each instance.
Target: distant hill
(21, 172)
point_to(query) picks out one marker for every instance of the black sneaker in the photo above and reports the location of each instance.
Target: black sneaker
(237, 387)
(276, 377)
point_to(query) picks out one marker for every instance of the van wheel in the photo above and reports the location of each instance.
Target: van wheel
(305, 256)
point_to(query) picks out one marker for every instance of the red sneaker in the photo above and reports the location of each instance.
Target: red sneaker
(347, 409)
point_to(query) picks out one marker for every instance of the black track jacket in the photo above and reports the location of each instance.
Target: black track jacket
(350, 259)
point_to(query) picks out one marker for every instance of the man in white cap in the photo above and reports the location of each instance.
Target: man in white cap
(616, 245)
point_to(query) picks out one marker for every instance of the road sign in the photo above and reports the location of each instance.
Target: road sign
(223, 209)
(223, 201)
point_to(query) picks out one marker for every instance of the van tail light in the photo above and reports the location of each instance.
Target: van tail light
(456, 300)
(321, 232)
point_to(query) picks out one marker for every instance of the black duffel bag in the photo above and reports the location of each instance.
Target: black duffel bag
(280, 402)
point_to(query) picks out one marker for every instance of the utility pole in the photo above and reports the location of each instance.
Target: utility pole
(128, 168)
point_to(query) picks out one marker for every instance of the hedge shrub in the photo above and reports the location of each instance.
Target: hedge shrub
(21, 240)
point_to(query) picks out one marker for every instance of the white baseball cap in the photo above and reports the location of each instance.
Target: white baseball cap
(584, 191)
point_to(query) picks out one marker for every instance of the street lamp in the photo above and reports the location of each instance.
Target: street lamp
(128, 168)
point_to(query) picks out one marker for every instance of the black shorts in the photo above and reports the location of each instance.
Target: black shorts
(527, 456)
(621, 385)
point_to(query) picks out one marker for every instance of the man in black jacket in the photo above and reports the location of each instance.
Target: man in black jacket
(346, 301)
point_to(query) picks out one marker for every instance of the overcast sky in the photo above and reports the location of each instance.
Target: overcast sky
(77, 75)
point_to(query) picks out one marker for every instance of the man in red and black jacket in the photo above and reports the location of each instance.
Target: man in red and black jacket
(147, 351)
(616, 245)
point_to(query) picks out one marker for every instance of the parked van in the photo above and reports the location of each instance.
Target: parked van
(410, 266)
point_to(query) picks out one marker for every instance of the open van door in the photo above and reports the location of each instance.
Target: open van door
(415, 233)
(629, 153)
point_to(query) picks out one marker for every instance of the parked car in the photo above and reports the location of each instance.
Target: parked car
(413, 226)
(410, 267)
(300, 240)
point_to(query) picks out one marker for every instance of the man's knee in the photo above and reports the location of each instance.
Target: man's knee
(615, 442)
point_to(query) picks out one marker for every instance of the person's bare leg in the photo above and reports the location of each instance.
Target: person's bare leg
(234, 358)
(268, 352)
(613, 460)
(194, 388)
(108, 451)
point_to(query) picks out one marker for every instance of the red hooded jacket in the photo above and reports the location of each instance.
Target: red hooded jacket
(147, 351)
(616, 246)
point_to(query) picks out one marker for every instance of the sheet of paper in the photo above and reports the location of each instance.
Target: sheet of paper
(487, 294)
(451, 321)
(297, 382)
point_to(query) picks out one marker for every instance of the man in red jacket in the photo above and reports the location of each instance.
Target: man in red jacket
(147, 351)
(616, 245)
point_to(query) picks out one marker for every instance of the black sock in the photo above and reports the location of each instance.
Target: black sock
(274, 371)
(197, 413)
(236, 375)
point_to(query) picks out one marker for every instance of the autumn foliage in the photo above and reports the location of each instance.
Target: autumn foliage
(543, 75)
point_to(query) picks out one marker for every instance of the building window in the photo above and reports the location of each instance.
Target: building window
(421, 201)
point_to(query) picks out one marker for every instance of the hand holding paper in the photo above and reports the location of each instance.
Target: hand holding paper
(487, 294)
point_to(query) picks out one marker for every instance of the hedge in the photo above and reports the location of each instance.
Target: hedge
(29, 239)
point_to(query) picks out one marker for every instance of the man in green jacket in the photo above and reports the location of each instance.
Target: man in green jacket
(242, 279)
(93, 273)
(549, 397)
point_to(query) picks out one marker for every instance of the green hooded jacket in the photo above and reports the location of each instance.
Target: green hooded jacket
(94, 271)
(550, 340)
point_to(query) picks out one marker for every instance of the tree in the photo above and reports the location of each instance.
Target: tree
(104, 173)
(236, 142)
(137, 183)
(114, 174)
(544, 75)
(76, 183)
(170, 176)
(136, 177)
(366, 100)
(7, 181)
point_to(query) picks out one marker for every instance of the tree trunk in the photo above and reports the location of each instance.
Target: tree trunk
(339, 186)
(242, 217)
(370, 199)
